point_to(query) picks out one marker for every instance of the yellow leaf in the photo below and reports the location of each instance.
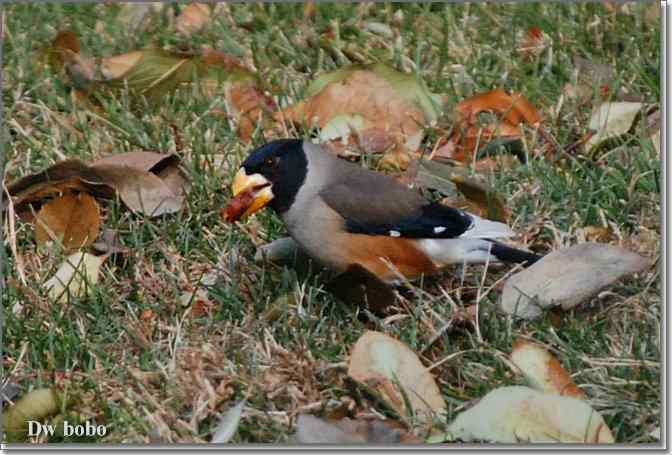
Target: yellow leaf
(380, 362)
(74, 277)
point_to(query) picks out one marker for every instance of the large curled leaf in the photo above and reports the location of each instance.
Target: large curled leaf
(520, 414)
(146, 182)
(391, 368)
(567, 277)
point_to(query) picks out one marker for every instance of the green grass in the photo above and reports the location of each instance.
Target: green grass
(149, 380)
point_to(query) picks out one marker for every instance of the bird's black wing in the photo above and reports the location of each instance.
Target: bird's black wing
(393, 210)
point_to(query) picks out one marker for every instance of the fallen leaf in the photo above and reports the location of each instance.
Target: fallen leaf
(313, 430)
(73, 220)
(520, 414)
(34, 406)
(165, 167)
(567, 277)
(142, 191)
(155, 72)
(74, 277)
(469, 134)
(489, 202)
(250, 106)
(145, 161)
(542, 370)
(456, 182)
(228, 425)
(379, 361)
(69, 175)
(611, 120)
(193, 18)
(377, 103)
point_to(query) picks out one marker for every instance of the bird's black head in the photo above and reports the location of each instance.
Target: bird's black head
(275, 171)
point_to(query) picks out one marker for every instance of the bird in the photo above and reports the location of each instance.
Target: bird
(344, 215)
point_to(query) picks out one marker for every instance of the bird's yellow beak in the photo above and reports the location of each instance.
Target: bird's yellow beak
(256, 184)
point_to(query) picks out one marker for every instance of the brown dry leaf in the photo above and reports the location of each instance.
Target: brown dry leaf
(146, 161)
(488, 203)
(69, 175)
(166, 167)
(379, 361)
(478, 196)
(54, 53)
(73, 220)
(193, 18)
(514, 110)
(250, 106)
(383, 107)
(542, 370)
(567, 277)
(313, 430)
(142, 191)
(65, 40)
(148, 182)
(521, 414)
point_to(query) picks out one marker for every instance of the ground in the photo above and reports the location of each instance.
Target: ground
(136, 357)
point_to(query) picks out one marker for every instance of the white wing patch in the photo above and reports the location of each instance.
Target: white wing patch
(395, 234)
(486, 229)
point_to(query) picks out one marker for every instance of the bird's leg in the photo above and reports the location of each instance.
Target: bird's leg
(359, 287)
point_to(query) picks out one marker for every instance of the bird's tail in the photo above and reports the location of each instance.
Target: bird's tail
(508, 254)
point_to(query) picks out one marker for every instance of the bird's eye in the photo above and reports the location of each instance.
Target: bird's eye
(270, 162)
